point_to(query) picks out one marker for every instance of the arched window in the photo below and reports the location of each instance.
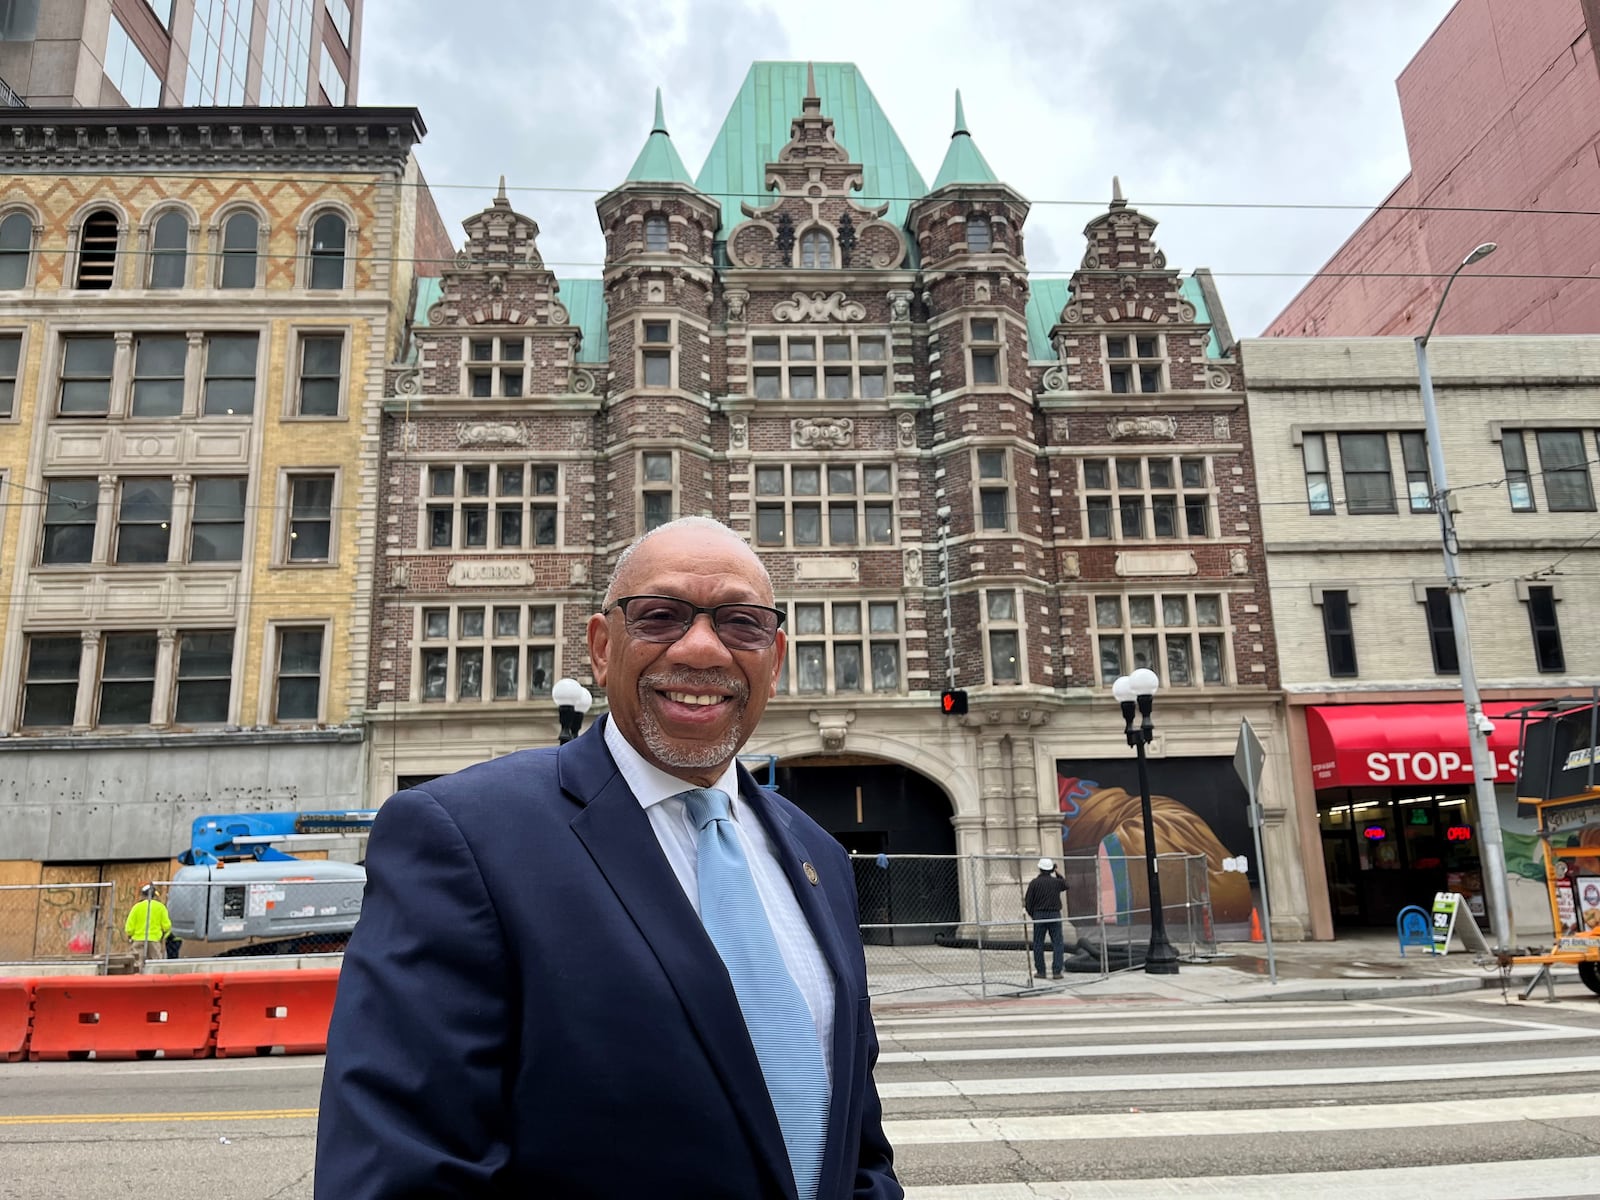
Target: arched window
(327, 252)
(978, 238)
(169, 250)
(655, 234)
(240, 236)
(816, 250)
(16, 245)
(97, 250)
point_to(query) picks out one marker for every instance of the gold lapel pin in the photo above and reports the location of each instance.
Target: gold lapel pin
(811, 872)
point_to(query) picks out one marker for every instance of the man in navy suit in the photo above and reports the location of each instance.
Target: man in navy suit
(617, 968)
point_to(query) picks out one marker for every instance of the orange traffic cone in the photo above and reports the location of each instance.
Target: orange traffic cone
(1255, 926)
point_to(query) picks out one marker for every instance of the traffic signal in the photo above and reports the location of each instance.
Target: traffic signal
(953, 701)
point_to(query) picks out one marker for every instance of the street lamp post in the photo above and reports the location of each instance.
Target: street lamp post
(572, 700)
(1138, 692)
(1492, 852)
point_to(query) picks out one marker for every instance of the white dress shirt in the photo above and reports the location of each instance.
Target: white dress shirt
(659, 795)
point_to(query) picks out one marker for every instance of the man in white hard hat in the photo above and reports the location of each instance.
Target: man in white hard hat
(1043, 905)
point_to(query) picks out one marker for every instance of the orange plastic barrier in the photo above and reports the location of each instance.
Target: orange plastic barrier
(123, 1016)
(260, 1010)
(16, 1015)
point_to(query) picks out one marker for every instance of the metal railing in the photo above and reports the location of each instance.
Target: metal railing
(9, 98)
(59, 924)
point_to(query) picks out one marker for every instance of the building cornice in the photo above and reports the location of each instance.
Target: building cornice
(136, 140)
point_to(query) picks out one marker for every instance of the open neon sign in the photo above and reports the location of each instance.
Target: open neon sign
(1374, 833)
(1458, 833)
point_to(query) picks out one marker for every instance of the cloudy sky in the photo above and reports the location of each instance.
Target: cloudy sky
(1191, 102)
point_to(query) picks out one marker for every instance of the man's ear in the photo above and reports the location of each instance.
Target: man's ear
(780, 644)
(599, 632)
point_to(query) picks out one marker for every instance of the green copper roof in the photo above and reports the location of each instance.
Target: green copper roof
(586, 305)
(963, 162)
(1047, 297)
(658, 162)
(757, 127)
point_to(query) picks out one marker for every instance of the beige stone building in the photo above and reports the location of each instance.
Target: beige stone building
(194, 321)
(1382, 770)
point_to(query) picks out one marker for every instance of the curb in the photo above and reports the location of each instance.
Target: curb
(1397, 988)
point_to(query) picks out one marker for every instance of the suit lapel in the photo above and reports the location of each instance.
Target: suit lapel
(794, 853)
(618, 836)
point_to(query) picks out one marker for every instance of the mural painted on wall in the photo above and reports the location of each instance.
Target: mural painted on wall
(1199, 808)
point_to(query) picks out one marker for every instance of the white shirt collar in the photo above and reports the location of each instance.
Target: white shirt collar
(650, 784)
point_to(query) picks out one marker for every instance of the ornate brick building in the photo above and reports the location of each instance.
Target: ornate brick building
(956, 475)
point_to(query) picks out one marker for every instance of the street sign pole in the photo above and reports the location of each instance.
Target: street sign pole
(1247, 760)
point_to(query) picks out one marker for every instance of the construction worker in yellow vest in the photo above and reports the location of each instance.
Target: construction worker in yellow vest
(148, 925)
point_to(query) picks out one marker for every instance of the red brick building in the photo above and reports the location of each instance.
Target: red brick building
(956, 475)
(1502, 117)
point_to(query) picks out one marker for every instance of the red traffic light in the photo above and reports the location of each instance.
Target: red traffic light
(953, 701)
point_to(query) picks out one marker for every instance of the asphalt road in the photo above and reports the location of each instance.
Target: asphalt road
(1459, 1096)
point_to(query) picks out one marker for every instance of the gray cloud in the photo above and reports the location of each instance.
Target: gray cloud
(1243, 101)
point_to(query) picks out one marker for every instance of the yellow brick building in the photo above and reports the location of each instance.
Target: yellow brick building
(196, 309)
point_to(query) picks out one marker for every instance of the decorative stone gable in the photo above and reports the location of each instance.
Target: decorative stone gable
(498, 277)
(1124, 287)
(814, 177)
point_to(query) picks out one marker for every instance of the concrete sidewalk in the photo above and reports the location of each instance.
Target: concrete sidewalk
(1363, 965)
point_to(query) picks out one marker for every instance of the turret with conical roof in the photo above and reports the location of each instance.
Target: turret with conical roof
(963, 161)
(969, 211)
(657, 210)
(658, 162)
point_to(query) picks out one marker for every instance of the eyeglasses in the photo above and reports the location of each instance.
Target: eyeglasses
(665, 619)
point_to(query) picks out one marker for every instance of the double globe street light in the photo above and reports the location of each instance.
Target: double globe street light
(1137, 693)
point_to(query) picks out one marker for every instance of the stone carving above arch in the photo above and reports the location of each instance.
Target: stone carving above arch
(827, 433)
(819, 306)
(1147, 427)
(832, 727)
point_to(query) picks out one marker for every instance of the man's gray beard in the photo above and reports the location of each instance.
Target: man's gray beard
(673, 754)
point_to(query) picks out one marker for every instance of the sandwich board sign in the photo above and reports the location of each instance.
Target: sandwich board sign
(1446, 907)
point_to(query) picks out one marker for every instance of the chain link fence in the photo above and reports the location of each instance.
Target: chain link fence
(927, 921)
(957, 921)
(56, 925)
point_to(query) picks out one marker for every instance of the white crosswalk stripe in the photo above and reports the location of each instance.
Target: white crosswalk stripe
(1354, 1101)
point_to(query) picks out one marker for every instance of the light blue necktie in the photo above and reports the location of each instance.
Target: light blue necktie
(775, 1012)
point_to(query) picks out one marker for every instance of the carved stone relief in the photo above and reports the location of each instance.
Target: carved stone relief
(1131, 427)
(906, 431)
(491, 433)
(900, 305)
(832, 727)
(738, 432)
(1055, 379)
(408, 383)
(1069, 565)
(583, 381)
(832, 433)
(819, 306)
(1221, 427)
(1217, 379)
(737, 298)
(1239, 561)
(913, 567)
(1060, 431)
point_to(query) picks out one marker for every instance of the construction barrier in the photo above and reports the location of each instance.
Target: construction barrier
(259, 1011)
(118, 1017)
(16, 1018)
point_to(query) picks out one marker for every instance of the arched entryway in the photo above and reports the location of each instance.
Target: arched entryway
(897, 824)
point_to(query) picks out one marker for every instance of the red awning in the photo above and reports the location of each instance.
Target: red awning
(1400, 745)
